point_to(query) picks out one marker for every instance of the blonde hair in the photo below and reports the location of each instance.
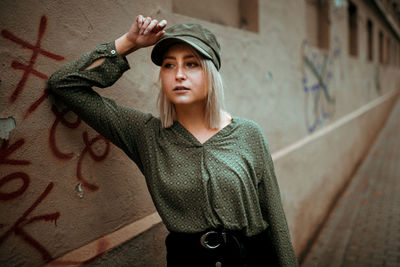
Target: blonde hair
(215, 97)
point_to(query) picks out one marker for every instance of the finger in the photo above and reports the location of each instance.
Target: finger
(145, 24)
(136, 24)
(160, 26)
(151, 26)
(159, 34)
(140, 20)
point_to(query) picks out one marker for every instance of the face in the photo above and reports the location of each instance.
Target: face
(182, 77)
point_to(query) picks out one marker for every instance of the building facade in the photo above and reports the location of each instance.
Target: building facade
(319, 77)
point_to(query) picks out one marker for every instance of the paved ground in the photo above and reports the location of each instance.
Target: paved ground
(364, 229)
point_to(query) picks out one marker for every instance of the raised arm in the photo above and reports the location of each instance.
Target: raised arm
(142, 33)
(72, 84)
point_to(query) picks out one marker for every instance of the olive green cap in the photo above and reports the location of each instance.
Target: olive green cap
(195, 35)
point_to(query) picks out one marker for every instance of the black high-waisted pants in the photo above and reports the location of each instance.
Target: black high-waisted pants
(238, 251)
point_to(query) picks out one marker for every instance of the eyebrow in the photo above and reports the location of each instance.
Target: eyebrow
(185, 57)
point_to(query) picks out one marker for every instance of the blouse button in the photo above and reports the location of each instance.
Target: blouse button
(113, 52)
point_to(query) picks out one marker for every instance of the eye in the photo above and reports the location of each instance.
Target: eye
(167, 65)
(192, 64)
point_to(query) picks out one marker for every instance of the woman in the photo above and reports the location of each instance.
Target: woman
(210, 174)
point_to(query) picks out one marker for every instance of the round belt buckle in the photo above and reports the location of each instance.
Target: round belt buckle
(205, 243)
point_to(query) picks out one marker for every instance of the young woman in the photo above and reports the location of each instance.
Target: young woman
(210, 174)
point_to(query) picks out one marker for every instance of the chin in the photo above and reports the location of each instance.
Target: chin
(181, 101)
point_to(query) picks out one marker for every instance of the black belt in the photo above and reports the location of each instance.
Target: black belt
(213, 238)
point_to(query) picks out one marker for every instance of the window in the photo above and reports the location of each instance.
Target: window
(353, 29)
(398, 55)
(381, 48)
(370, 41)
(388, 52)
(242, 14)
(317, 23)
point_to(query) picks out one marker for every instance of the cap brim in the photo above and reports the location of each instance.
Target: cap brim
(162, 46)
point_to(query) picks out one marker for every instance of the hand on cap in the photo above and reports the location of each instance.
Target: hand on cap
(143, 32)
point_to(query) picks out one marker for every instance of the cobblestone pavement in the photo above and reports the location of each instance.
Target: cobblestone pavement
(364, 228)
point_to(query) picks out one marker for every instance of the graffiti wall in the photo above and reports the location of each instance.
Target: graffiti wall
(60, 187)
(68, 196)
(17, 181)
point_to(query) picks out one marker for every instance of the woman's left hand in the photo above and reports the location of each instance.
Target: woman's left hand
(143, 32)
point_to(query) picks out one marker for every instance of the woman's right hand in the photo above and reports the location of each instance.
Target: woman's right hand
(143, 32)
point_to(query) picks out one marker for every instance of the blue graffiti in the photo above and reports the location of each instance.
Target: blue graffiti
(317, 92)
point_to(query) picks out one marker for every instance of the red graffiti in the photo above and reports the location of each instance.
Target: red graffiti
(52, 138)
(102, 246)
(14, 176)
(6, 150)
(87, 148)
(35, 104)
(29, 69)
(60, 118)
(17, 227)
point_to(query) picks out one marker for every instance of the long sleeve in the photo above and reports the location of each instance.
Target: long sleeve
(273, 213)
(72, 84)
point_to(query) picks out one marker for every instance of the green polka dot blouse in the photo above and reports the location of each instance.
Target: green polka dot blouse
(228, 181)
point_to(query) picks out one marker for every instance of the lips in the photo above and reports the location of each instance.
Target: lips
(181, 88)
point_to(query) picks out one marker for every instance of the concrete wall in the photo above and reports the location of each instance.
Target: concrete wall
(317, 141)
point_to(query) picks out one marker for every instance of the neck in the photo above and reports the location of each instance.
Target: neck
(192, 117)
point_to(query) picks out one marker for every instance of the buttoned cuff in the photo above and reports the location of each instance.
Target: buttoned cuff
(108, 50)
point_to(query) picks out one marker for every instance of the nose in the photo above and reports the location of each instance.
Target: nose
(180, 73)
